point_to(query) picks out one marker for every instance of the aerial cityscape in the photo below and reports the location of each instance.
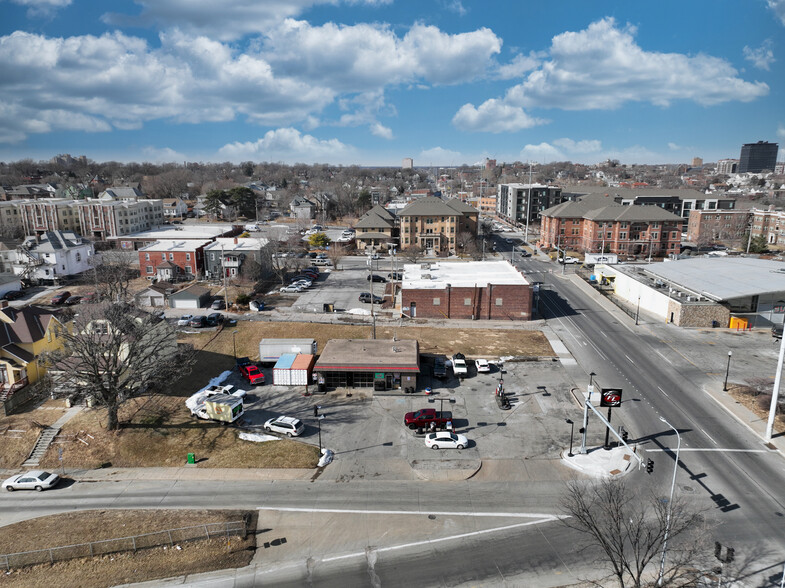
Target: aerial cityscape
(384, 293)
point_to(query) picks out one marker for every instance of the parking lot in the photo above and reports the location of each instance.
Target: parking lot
(367, 433)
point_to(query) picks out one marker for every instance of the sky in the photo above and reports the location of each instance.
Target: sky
(370, 82)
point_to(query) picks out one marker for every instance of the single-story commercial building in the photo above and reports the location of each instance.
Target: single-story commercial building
(465, 290)
(381, 364)
(703, 292)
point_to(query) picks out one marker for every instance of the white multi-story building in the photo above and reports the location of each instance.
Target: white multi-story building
(106, 218)
(51, 256)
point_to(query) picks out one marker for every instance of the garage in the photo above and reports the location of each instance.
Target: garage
(154, 296)
(192, 297)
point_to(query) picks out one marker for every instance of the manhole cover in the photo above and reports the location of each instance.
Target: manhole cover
(432, 517)
(687, 489)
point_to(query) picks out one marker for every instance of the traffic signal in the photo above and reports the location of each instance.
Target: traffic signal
(650, 466)
(624, 434)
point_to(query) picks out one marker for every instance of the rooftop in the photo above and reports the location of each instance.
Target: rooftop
(203, 231)
(369, 355)
(172, 245)
(461, 274)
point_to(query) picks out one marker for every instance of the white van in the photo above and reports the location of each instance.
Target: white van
(321, 262)
(252, 227)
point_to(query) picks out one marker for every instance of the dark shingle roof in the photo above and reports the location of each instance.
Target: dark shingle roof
(429, 206)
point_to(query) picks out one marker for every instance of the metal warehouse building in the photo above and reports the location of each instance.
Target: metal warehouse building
(465, 290)
(380, 364)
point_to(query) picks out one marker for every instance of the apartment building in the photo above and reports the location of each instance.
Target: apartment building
(106, 218)
(376, 230)
(710, 226)
(515, 201)
(172, 261)
(433, 224)
(769, 223)
(53, 214)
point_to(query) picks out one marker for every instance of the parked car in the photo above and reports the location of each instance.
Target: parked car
(34, 480)
(252, 374)
(289, 426)
(61, 297)
(322, 262)
(366, 297)
(482, 365)
(395, 276)
(89, 298)
(445, 440)
(376, 278)
(184, 320)
(214, 319)
(569, 259)
(459, 367)
(75, 299)
(13, 295)
(425, 416)
(776, 330)
(198, 322)
(375, 256)
(304, 284)
(291, 289)
(440, 367)
(256, 305)
(219, 304)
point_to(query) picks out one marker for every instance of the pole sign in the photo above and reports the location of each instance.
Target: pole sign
(610, 397)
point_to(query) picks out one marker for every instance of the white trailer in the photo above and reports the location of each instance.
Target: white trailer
(270, 350)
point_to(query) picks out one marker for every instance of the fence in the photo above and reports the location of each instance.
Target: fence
(133, 543)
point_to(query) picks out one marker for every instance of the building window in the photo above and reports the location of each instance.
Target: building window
(212, 256)
(498, 302)
(437, 301)
(149, 269)
(171, 257)
(467, 301)
(163, 257)
(655, 235)
(623, 235)
(187, 257)
(188, 269)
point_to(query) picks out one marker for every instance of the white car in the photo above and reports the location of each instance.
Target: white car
(303, 283)
(291, 288)
(482, 365)
(35, 480)
(446, 440)
(184, 320)
(569, 259)
(289, 426)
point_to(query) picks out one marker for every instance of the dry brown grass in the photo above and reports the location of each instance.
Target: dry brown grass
(758, 403)
(19, 432)
(158, 431)
(80, 527)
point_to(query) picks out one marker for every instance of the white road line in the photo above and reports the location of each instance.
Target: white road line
(663, 357)
(709, 436)
(441, 539)
(531, 515)
(683, 449)
(628, 359)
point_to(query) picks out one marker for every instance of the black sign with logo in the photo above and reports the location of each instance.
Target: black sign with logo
(610, 397)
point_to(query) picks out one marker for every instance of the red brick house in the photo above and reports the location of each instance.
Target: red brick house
(466, 290)
(171, 261)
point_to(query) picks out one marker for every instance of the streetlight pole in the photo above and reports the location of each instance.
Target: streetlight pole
(670, 503)
(234, 344)
(528, 206)
(727, 371)
(638, 311)
(586, 414)
(572, 430)
(319, 421)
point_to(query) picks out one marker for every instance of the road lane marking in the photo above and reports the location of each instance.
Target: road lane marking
(532, 515)
(630, 360)
(663, 357)
(709, 436)
(712, 449)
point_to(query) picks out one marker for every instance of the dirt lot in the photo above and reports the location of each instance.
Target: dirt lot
(80, 527)
(159, 431)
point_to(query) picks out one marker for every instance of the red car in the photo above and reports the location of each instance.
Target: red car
(252, 374)
(61, 297)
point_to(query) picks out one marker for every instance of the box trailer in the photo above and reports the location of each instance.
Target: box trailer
(282, 375)
(302, 367)
(219, 407)
(270, 350)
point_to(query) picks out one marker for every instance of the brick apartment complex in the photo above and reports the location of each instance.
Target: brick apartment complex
(53, 214)
(104, 218)
(596, 223)
(433, 224)
(172, 261)
(465, 290)
(710, 226)
(769, 223)
(376, 230)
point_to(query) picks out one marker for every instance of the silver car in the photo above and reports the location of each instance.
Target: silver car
(36, 480)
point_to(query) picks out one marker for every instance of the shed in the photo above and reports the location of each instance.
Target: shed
(193, 296)
(154, 295)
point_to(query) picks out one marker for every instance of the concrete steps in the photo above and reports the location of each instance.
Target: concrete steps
(41, 445)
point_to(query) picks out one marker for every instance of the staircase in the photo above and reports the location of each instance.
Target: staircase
(41, 445)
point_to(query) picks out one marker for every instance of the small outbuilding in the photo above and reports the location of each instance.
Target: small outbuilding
(193, 296)
(381, 364)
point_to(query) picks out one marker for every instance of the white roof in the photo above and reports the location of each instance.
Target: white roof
(210, 232)
(723, 278)
(171, 245)
(244, 244)
(461, 274)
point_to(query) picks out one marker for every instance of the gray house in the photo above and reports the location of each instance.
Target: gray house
(227, 256)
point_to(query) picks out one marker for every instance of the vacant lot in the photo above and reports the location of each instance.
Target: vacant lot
(18, 432)
(110, 570)
(159, 431)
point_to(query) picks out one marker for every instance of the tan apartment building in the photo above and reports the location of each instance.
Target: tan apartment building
(769, 223)
(376, 230)
(54, 214)
(433, 224)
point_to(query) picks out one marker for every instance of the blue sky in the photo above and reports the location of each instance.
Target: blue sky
(369, 82)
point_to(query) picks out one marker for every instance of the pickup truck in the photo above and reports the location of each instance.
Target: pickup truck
(252, 374)
(439, 367)
(425, 416)
(459, 367)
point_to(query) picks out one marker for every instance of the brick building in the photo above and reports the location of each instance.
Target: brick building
(769, 223)
(376, 229)
(54, 214)
(171, 261)
(596, 223)
(433, 224)
(710, 226)
(465, 290)
(105, 218)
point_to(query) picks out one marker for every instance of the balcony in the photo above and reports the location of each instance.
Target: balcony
(232, 262)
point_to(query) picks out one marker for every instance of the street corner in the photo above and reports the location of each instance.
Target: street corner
(445, 470)
(601, 463)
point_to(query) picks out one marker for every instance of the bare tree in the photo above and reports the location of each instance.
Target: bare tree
(412, 253)
(113, 352)
(336, 254)
(629, 531)
(112, 273)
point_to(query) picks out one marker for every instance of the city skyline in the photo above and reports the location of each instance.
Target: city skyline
(370, 82)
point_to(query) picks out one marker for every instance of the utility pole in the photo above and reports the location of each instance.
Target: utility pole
(370, 281)
(528, 206)
(223, 272)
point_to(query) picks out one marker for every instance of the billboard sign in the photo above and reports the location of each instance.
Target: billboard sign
(610, 397)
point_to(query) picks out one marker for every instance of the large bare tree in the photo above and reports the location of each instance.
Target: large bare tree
(113, 271)
(113, 352)
(629, 529)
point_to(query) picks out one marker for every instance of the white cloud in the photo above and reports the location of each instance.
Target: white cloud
(379, 130)
(519, 65)
(781, 131)
(493, 116)
(778, 7)
(288, 145)
(542, 153)
(162, 155)
(674, 147)
(579, 147)
(762, 57)
(456, 6)
(439, 155)
(42, 8)
(602, 67)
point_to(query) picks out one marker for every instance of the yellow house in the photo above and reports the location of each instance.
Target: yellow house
(24, 334)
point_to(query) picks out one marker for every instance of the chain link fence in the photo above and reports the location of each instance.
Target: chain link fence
(132, 543)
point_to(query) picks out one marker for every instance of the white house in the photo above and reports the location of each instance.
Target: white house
(174, 207)
(53, 255)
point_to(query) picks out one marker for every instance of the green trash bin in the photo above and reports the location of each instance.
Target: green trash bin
(191, 458)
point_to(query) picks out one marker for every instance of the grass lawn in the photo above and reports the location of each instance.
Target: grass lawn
(19, 432)
(121, 568)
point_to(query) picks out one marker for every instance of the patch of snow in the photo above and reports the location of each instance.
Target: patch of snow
(359, 311)
(258, 437)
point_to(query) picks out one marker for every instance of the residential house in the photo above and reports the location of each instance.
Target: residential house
(51, 256)
(433, 224)
(376, 230)
(173, 261)
(27, 332)
(302, 208)
(174, 207)
(230, 256)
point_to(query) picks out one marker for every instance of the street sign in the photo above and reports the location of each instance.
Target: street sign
(610, 397)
